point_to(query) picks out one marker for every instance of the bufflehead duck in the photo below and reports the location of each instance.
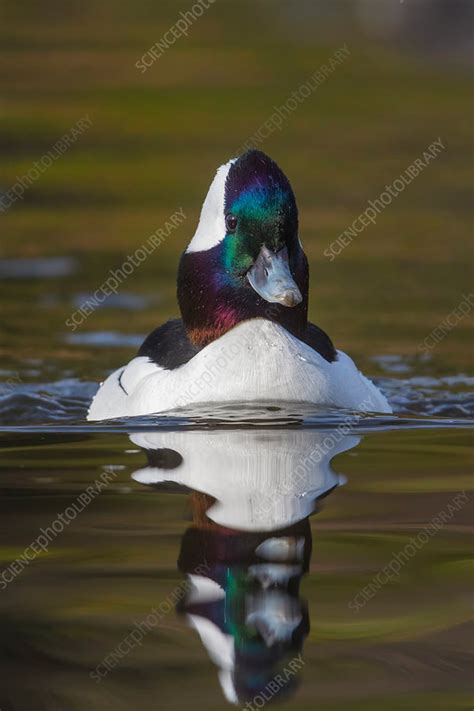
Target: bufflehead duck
(243, 335)
(251, 493)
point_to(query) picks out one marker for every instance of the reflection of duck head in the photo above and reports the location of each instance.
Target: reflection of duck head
(251, 495)
(246, 606)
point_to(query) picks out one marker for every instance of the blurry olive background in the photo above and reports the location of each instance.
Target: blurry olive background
(158, 137)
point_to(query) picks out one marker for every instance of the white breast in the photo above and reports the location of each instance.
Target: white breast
(256, 361)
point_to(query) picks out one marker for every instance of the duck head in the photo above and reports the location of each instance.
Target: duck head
(245, 260)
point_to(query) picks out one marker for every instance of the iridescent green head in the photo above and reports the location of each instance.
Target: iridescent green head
(245, 260)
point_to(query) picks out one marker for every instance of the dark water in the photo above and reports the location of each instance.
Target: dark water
(201, 560)
(225, 556)
(231, 555)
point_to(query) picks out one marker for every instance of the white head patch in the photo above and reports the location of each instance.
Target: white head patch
(211, 228)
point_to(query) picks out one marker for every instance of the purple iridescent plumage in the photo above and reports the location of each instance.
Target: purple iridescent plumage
(213, 292)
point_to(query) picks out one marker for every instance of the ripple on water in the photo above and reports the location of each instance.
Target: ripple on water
(449, 396)
(105, 339)
(66, 400)
(65, 404)
(37, 267)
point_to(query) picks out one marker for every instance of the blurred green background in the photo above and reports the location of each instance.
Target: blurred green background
(158, 137)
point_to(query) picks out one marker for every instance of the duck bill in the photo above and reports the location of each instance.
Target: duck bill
(271, 278)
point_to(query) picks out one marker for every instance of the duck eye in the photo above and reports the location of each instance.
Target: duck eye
(230, 222)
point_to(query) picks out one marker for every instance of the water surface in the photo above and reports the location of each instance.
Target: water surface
(225, 550)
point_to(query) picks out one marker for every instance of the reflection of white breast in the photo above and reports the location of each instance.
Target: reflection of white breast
(257, 360)
(261, 480)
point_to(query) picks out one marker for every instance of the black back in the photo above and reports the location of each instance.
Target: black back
(169, 346)
(320, 342)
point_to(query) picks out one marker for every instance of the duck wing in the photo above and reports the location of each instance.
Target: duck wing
(168, 346)
(319, 341)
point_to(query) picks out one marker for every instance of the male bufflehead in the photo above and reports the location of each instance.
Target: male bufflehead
(243, 335)
(251, 493)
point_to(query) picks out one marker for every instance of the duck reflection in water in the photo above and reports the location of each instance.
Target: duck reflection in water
(251, 493)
